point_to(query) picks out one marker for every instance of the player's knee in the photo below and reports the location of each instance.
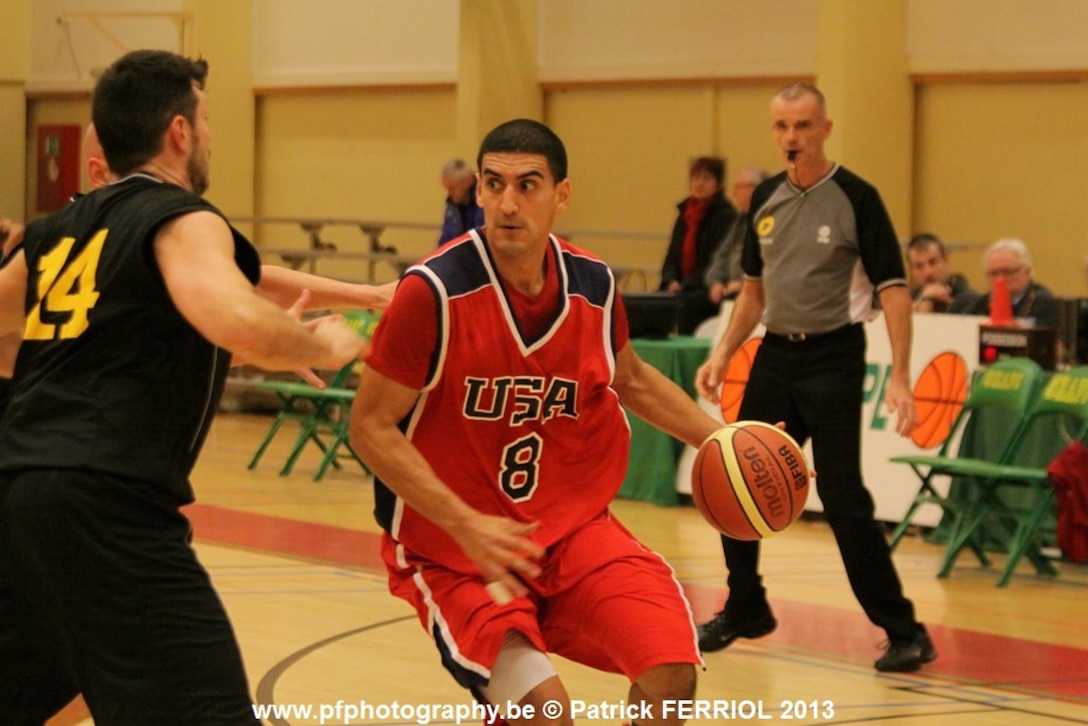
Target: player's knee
(670, 681)
(521, 673)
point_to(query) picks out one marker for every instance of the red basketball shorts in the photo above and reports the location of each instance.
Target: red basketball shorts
(602, 600)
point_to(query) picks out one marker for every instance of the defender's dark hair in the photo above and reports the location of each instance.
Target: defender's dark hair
(136, 98)
(525, 136)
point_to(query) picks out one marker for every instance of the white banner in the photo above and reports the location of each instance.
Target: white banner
(893, 485)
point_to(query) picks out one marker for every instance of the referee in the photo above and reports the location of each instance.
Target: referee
(820, 242)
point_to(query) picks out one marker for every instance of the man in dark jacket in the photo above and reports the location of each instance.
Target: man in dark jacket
(1032, 303)
(705, 217)
(462, 213)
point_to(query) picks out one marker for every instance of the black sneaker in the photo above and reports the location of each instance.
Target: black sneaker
(907, 656)
(725, 627)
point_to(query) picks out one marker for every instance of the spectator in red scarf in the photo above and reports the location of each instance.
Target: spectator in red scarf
(704, 218)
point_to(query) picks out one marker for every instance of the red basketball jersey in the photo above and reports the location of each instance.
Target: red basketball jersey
(522, 426)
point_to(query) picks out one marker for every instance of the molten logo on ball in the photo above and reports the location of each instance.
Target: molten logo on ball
(750, 480)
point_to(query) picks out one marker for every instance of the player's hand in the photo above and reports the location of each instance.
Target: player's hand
(900, 400)
(503, 551)
(295, 311)
(342, 344)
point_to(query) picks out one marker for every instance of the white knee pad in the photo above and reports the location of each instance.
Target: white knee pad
(519, 669)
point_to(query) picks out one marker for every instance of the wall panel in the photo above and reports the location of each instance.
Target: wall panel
(608, 40)
(630, 148)
(947, 36)
(370, 154)
(351, 42)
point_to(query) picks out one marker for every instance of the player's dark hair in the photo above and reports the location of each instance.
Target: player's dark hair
(525, 136)
(135, 100)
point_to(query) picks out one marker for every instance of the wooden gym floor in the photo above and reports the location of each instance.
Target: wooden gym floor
(296, 564)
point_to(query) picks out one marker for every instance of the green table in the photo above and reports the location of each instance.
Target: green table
(651, 471)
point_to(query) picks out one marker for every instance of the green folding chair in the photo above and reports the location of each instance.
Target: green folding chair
(1003, 392)
(322, 413)
(1017, 494)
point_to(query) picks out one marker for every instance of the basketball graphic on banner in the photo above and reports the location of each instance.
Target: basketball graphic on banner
(736, 378)
(939, 395)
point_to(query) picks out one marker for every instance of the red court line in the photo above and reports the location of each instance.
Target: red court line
(286, 536)
(982, 658)
(963, 654)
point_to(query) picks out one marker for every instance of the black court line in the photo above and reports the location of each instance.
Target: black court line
(267, 686)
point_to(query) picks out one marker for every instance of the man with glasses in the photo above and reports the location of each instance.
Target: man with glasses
(1031, 302)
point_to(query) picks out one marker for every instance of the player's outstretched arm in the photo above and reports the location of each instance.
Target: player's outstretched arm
(195, 253)
(283, 286)
(499, 546)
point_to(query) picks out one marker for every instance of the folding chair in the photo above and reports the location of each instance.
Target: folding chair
(1017, 492)
(322, 413)
(1007, 388)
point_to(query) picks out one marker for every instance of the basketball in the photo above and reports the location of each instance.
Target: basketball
(750, 480)
(939, 396)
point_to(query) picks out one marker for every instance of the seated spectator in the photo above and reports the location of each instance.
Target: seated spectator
(703, 220)
(462, 213)
(1032, 303)
(937, 290)
(724, 276)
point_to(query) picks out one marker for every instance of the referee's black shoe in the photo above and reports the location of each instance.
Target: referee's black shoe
(728, 625)
(907, 656)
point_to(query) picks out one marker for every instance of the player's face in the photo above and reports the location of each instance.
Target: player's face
(800, 125)
(520, 200)
(200, 157)
(927, 265)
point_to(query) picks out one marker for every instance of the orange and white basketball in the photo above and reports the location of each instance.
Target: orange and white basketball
(750, 480)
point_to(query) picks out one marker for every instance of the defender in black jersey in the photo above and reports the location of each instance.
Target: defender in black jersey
(820, 242)
(122, 308)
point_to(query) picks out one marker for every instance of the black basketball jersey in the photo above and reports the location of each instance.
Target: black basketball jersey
(110, 377)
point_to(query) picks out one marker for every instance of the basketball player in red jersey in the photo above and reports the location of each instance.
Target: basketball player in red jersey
(491, 411)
